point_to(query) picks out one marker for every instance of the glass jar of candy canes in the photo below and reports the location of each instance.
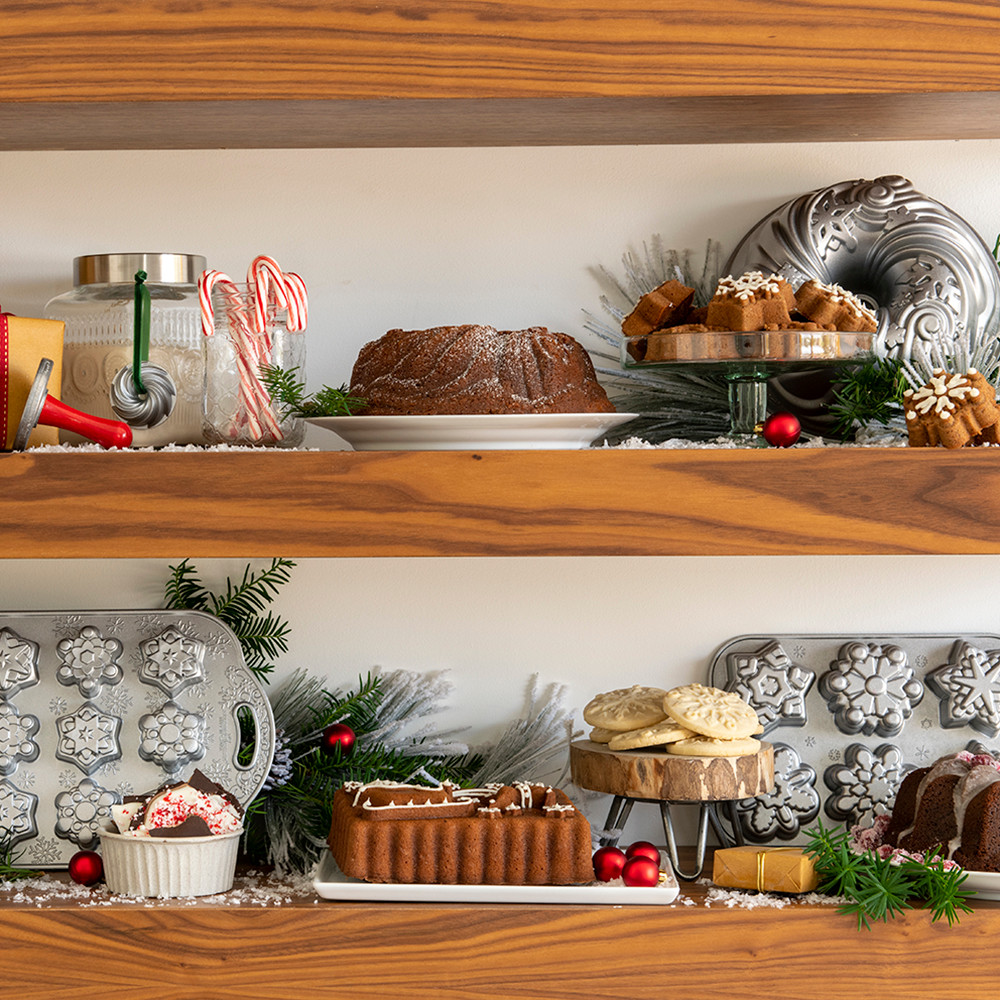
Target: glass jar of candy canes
(249, 327)
(99, 318)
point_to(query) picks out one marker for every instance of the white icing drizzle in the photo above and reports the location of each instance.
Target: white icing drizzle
(749, 285)
(941, 396)
(485, 795)
(841, 296)
(973, 778)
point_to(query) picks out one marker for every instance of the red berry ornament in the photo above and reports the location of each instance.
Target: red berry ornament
(640, 871)
(86, 868)
(781, 430)
(608, 863)
(643, 849)
(338, 737)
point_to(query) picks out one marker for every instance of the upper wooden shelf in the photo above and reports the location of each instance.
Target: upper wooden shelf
(600, 502)
(295, 73)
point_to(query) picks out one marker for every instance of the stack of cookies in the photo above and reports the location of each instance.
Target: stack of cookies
(692, 720)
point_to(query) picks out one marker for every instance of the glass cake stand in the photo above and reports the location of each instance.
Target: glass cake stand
(745, 359)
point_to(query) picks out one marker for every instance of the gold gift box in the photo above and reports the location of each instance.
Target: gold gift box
(768, 869)
(27, 341)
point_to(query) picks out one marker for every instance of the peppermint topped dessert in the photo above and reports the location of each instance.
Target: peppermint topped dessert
(198, 807)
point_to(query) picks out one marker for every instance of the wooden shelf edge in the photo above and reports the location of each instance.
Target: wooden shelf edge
(212, 124)
(598, 502)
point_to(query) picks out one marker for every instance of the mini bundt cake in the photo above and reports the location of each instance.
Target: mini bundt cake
(476, 369)
(520, 834)
(953, 805)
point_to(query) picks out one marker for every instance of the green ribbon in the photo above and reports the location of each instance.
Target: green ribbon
(140, 331)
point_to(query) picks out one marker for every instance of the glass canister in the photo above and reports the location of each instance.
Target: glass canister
(99, 316)
(238, 409)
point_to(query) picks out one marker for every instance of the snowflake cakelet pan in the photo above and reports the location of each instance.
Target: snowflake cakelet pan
(849, 716)
(95, 706)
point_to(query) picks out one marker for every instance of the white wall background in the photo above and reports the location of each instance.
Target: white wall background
(424, 237)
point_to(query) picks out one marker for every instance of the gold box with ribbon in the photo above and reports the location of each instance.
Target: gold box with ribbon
(23, 344)
(767, 869)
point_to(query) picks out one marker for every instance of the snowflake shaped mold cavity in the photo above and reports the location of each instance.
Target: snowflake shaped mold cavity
(172, 737)
(81, 811)
(871, 689)
(18, 662)
(17, 813)
(969, 688)
(172, 661)
(865, 784)
(769, 681)
(89, 661)
(783, 811)
(17, 738)
(88, 738)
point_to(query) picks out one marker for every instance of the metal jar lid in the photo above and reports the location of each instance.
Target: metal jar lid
(117, 268)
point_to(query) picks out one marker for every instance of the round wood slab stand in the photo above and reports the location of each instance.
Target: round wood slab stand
(656, 776)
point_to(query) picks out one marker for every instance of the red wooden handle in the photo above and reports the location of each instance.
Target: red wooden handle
(108, 433)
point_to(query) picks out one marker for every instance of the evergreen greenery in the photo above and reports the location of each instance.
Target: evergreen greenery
(871, 392)
(263, 636)
(878, 888)
(285, 388)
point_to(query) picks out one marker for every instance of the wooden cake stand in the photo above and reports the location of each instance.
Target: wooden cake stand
(656, 776)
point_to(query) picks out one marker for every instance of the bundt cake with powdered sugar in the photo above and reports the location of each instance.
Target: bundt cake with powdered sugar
(520, 834)
(952, 806)
(476, 369)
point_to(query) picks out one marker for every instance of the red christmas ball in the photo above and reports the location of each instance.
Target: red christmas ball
(608, 863)
(781, 430)
(643, 849)
(338, 737)
(86, 868)
(640, 871)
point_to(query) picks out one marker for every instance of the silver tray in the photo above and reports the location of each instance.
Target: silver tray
(850, 715)
(95, 705)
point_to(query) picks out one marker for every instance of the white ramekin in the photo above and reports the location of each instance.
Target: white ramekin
(169, 866)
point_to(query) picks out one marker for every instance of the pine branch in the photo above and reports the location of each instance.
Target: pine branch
(290, 392)
(184, 590)
(869, 393)
(878, 888)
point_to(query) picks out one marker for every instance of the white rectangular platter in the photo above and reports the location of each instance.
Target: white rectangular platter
(331, 883)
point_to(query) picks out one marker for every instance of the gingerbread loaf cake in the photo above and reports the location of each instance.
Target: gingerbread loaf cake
(952, 806)
(519, 834)
(476, 369)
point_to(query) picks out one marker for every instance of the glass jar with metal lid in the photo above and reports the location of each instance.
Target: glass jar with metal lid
(99, 316)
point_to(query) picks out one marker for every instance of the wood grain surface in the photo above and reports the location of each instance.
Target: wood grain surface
(304, 72)
(649, 774)
(599, 502)
(299, 49)
(426, 951)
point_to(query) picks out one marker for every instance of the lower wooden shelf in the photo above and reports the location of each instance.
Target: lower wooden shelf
(318, 949)
(596, 502)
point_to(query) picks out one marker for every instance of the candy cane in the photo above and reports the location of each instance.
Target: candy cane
(262, 272)
(207, 281)
(298, 302)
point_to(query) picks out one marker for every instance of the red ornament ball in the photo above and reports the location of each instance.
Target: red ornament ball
(86, 868)
(640, 871)
(781, 430)
(338, 738)
(643, 849)
(608, 863)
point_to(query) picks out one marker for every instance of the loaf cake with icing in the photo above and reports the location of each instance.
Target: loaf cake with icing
(476, 369)
(952, 806)
(520, 834)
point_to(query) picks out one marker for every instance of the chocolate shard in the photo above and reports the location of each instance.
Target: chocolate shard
(193, 826)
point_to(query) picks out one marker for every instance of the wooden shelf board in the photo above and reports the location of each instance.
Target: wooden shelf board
(390, 122)
(467, 72)
(599, 502)
(425, 951)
